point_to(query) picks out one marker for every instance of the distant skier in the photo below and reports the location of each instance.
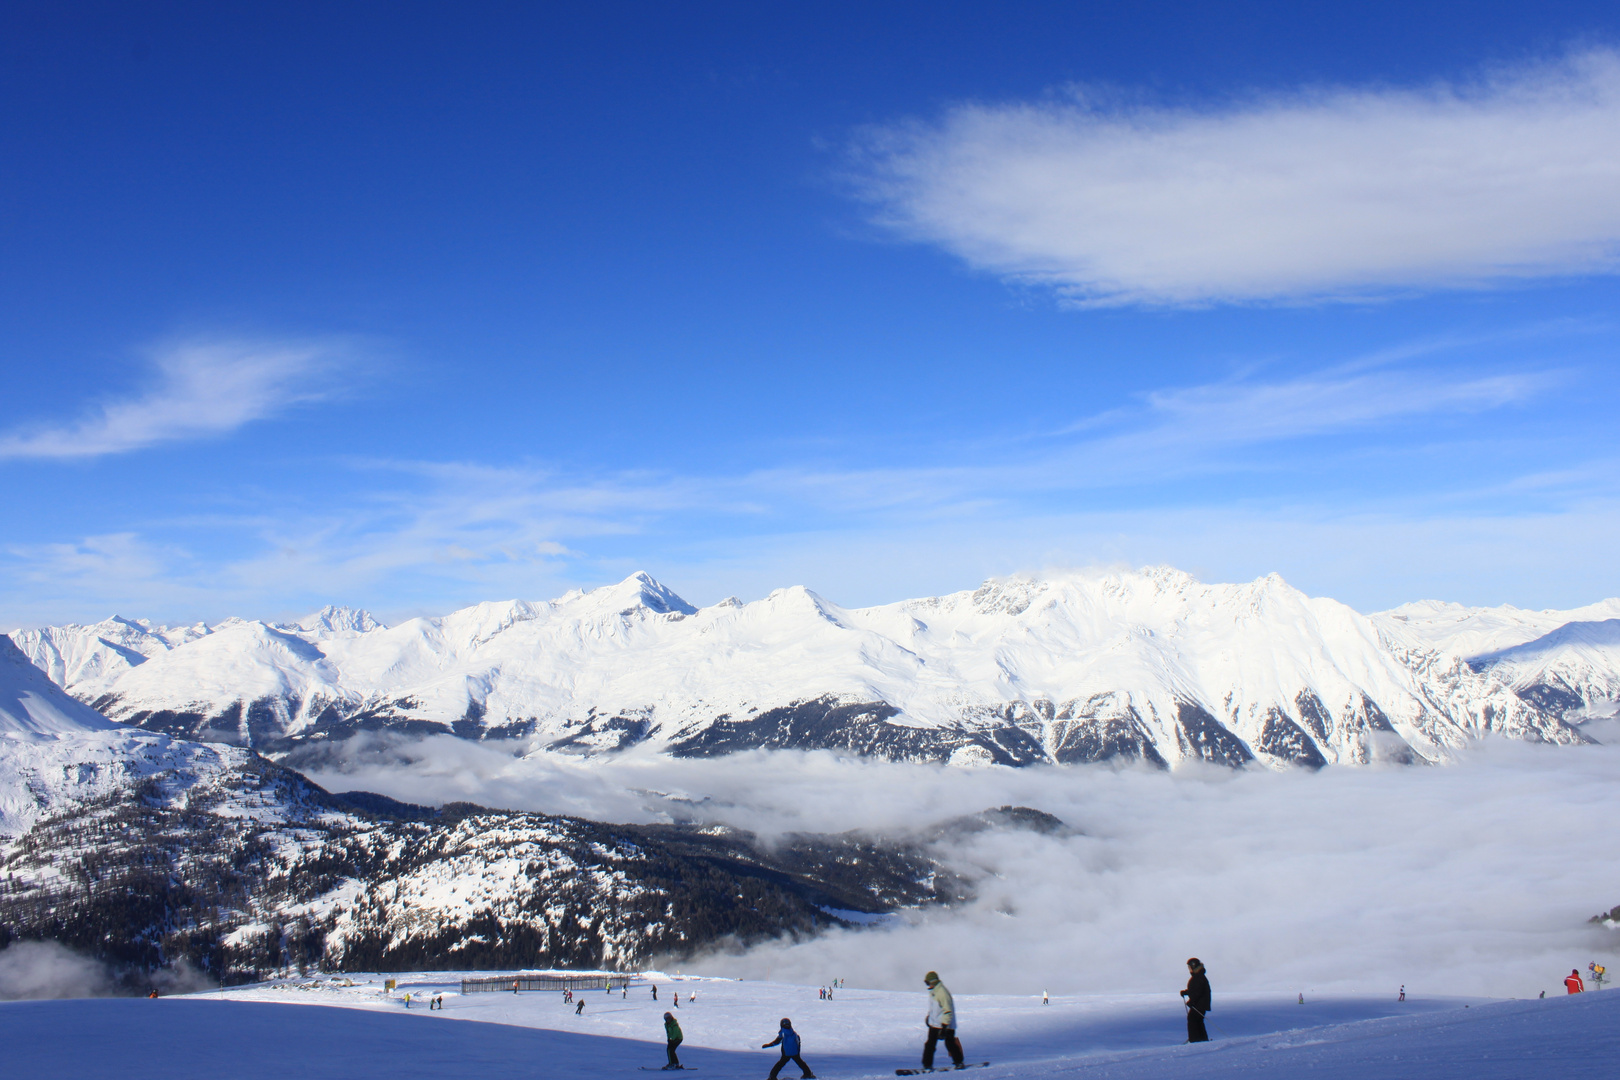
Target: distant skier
(579, 1007)
(691, 999)
(677, 999)
(672, 1032)
(1598, 971)
(407, 999)
(821, 993)
(789, 1039)
(1573, 984)
(625, 996)
(655, 991)
(941, 1022)
(1196, 998)
(1044, 999)
(1403, 993)
(153, 994)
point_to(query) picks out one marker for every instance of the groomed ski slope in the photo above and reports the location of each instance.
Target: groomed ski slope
(283, 1030)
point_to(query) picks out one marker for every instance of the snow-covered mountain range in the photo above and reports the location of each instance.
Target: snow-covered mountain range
(1151, 665)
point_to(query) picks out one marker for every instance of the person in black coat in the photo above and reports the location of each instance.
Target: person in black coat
(1196, 997)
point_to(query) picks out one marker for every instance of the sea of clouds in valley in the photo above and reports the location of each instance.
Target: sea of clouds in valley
(1474, 878)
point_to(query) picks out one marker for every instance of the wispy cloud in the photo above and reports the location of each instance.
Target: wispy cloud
(199, 389)
(475, 521)
(97, 576)
(1247, 412)
(1316, 194)
(415, 536)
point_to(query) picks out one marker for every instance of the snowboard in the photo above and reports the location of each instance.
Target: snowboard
(941, 1068)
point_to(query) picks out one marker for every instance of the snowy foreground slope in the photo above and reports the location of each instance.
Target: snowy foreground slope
(1151, 665)
(282, 1032)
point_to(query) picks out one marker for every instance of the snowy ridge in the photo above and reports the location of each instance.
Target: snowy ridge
(1150, 665)
(1567, 662)
(87, 659)
(1476, 631)
(32, 704)
(1577, 665)
(338, 620)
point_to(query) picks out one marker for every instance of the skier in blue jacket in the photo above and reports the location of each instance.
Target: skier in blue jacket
(790, 1050)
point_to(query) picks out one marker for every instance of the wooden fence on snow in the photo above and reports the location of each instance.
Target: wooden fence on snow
(568, 980)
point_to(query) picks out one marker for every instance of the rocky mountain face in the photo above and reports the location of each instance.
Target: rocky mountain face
(147, 851)
(1152, 666)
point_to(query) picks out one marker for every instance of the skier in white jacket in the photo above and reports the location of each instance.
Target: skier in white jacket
(941, 1022)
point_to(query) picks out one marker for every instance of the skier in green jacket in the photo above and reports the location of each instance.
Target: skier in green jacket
(672, 1031)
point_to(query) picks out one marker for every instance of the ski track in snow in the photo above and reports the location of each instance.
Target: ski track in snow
(259, 1031)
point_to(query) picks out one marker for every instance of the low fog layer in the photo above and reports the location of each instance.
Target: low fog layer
(35, 970)
(1477, 878)
(44, 969)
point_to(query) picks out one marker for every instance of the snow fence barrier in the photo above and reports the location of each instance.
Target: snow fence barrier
(568, 980)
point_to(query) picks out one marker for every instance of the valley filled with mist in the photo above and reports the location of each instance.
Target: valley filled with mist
(1479, 877)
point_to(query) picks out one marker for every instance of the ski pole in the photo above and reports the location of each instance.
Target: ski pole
(1206, 1019)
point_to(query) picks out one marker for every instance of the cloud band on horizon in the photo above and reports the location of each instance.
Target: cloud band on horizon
(1129, 484)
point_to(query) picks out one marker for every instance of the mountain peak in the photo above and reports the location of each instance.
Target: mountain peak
(641, 589)
(336, 620)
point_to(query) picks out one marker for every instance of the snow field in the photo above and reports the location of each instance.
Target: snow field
(250, 1033)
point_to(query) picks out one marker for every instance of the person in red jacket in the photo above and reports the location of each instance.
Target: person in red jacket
(1573, 984)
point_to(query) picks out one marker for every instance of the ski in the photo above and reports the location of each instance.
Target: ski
(666, 1068)
(942, 1068)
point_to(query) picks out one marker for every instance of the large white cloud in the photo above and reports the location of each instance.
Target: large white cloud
(1315, 194)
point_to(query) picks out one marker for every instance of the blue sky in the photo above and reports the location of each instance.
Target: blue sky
(409, 306)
